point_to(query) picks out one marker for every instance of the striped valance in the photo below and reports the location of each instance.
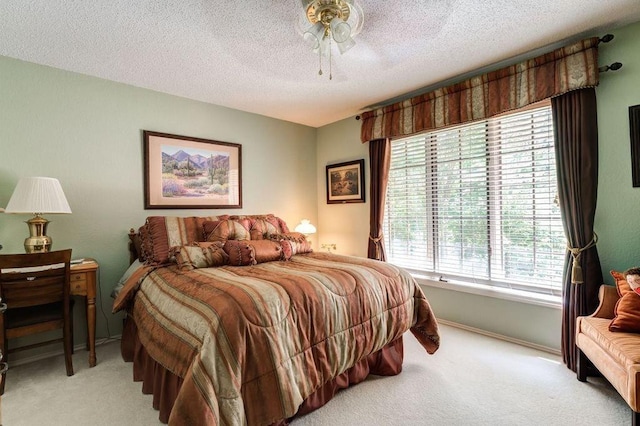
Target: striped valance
(564, 69)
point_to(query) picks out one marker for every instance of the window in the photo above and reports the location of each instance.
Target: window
(477, 203)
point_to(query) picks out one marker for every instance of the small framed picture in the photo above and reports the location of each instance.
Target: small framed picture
(345, 182)
(182, 172)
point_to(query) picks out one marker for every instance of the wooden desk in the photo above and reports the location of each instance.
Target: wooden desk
(83, 283)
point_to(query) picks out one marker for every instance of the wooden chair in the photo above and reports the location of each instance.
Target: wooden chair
(37, 300)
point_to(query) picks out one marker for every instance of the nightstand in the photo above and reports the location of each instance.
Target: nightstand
(83, 283)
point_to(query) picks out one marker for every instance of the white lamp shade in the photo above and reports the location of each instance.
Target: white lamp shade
(37, 195)
(305, 227)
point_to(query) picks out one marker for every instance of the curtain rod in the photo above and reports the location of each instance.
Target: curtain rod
(614, 66)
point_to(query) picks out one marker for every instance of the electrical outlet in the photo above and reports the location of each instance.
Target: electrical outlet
(328, 247)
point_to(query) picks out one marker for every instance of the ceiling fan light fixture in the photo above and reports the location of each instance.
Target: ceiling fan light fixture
(336, 21)
(314, 35)
(340, 30)
(346, 45)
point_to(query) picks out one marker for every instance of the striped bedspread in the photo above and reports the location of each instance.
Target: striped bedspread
(253, 342)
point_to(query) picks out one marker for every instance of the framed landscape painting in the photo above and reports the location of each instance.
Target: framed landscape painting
(182, 172)
(345, 182)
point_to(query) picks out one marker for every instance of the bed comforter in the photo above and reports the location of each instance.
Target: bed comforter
(253, 342)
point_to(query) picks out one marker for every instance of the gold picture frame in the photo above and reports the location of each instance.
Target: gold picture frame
(182, 172)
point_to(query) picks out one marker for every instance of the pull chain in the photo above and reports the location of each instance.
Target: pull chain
(320, 59)
(330, 72)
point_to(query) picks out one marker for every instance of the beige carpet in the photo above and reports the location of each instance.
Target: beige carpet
(471, 380)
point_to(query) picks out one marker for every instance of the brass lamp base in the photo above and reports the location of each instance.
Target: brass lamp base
(38, 241)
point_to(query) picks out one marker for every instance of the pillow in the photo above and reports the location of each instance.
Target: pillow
(132, 268)
(244, 253)
(164, 232)
(266, 250)
(240, 253)
(627, 310)
(203, 255)
(223, 230)
(262, 227)
(298, 243)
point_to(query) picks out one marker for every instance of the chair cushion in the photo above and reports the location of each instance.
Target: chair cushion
(623, 347)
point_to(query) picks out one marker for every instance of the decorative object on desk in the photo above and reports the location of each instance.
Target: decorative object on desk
(38, 196)
(634, 128)
(184, 172)
(345, 182)
(332, 21)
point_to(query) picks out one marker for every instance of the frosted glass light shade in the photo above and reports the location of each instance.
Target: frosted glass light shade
(37, 195)
(346, 45)
(340, 30)
(314, 35)
(305, 227)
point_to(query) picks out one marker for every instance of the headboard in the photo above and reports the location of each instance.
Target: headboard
(135, 245)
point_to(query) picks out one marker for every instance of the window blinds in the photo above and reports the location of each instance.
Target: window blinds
(478, 203)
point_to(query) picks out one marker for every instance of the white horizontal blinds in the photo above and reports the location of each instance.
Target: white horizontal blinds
(407, 226)
(459, 197)
(478, 202)
(529, 241)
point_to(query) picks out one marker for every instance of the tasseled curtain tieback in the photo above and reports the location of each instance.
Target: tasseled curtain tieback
(576, 252)
(376, 241)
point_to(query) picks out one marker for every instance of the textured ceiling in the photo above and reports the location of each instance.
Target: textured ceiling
(249, 55)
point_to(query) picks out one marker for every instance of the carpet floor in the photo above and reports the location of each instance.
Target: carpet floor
(471, 380)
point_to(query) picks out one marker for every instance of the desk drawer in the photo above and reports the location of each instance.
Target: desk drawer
(78, 283)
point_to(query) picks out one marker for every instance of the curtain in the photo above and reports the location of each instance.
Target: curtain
(562, 70)
(576, 137)
(379, 162)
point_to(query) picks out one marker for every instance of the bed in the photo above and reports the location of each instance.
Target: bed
(235, 320)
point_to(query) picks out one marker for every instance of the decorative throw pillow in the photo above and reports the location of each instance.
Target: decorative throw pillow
(223, 230)
(164, 232)
(262, 227)
(627, 309)
(203, 255)
(240, 253)
(266, 250)
(296, 240)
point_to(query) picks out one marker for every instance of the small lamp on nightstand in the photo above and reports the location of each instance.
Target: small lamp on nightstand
(38, 195)
(305, 227)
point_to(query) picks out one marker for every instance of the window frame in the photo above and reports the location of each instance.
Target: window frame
(493, 286)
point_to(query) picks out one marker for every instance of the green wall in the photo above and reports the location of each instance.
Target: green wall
(87, 132)
(617, 223)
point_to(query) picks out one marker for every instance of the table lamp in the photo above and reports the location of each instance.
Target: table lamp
(305, 227)
(38, 196)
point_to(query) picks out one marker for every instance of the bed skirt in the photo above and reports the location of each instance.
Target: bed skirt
(164, 385)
